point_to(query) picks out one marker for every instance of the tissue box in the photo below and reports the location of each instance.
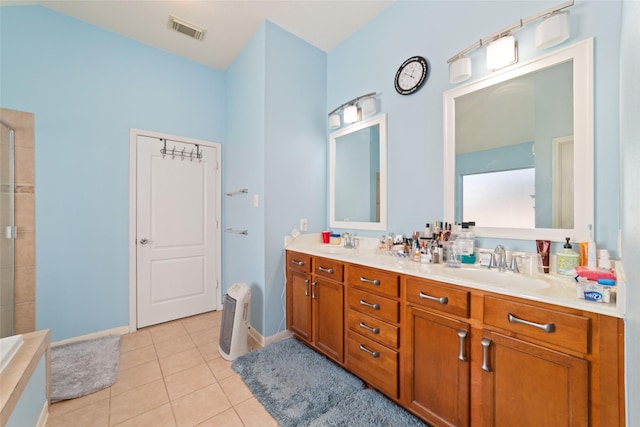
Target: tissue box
(592, 291)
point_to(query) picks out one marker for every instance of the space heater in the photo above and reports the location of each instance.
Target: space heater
(234, 329)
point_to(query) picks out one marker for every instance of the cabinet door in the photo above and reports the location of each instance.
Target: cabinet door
(328, 317)
(527, 385)
(439, 383)
(299, 304)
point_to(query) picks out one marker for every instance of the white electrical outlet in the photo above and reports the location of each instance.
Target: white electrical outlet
(304, 224)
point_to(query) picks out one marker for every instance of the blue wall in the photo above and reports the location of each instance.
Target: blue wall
(87, 88)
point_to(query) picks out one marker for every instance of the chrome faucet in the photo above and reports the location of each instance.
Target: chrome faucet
(349, 241)
(499, 258)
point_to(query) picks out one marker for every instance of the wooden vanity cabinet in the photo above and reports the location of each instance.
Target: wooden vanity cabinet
(436, 361)
(315, 303)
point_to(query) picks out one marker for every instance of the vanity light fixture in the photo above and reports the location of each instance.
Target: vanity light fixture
(551, 33)
(352, 112)
(552, 30)
(501, 52)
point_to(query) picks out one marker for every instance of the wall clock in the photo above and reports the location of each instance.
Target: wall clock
(412, 75)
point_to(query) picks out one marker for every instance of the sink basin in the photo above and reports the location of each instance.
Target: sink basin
(334, 249)
(504, 279)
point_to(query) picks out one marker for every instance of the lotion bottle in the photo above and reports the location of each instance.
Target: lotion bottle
(591, 249)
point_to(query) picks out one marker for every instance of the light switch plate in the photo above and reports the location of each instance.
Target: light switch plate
(304, 224)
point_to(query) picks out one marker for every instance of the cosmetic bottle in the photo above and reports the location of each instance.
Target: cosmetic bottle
(567, 260)
(427, 230)
(591, 249)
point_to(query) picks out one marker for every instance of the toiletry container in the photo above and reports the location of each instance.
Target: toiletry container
(465, 244)
(567, 260)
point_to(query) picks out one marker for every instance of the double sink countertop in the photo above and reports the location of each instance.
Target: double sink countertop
(549, 288)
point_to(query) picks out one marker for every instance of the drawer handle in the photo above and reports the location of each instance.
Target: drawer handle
(306, 287)
(294, 262)
(485, 342)
(374, 306)
(463, 336)
(548, 328)
(373, 354)
(326, 270)
(375, 282)
(313, 290)
(369, 328)
(441, 300)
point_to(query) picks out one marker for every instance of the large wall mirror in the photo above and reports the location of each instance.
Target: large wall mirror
(358, 175)
(519, 149)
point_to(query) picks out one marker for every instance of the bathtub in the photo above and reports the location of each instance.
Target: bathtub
(9, 346)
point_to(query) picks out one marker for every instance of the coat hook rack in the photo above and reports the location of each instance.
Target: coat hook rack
(182, 154)
(233, 193)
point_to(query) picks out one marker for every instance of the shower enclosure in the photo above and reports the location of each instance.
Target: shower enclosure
(7, 229)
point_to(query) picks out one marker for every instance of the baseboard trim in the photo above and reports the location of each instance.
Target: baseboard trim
(264, 341)
(120, 331)
(44, 415)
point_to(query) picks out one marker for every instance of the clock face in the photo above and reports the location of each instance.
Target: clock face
(411, 75)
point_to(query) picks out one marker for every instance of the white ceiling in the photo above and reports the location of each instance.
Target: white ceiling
(229, 23)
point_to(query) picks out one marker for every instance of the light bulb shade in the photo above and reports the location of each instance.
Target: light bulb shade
(502, 52)
(351, 114)
(460, 70)
(369, 106)
(552, 30)
(334, 121)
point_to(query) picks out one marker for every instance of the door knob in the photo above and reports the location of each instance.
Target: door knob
(144, 241)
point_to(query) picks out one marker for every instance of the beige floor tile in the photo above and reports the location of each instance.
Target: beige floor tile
(138, 401)
(135, 340)
(235, 389)
(201, 322)
(228, 418)
(137, 357)
(209, 336)
(221, 368)
(131, 378)
(167, 331)
(158, 417)
(75, 404)
(176, 345)
(95, 414)
(187, 381)
(253, 414)
(180, 361)
(201, 405)
(209, 351)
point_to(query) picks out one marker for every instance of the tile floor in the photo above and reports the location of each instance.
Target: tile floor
(170, 375)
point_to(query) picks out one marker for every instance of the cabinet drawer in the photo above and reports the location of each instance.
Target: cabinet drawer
(373, 328)
(373, 362)
(328, 268)
(374, 305)
(373, 280)
(299, 262)
(434, 296)
(563, 329)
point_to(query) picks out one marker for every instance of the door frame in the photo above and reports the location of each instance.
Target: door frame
(133, 212)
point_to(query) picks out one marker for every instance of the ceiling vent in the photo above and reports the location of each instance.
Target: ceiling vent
(186, 28)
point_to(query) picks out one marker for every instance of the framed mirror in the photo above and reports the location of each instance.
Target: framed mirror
(518, 149)
(358, 175)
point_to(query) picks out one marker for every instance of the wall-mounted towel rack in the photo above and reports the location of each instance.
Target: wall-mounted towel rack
(231, 230)
(233, 193)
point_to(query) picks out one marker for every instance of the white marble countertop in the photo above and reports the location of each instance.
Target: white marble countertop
(548, 288)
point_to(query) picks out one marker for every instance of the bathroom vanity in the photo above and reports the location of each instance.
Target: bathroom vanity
(455, 347)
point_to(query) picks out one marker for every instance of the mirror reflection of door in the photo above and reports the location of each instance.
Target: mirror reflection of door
(562, 187)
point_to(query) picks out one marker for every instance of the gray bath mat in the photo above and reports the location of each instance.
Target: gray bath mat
(84, 367)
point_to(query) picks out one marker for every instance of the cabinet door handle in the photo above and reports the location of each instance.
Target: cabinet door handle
(326, 270)
(313, 290)
(485, 342)
(306, 287)
(548, 327)
(294, 262)
(369, 328)
(441, 300)
(463, 336)
(373, 354)
(374, 282)
(374, 306)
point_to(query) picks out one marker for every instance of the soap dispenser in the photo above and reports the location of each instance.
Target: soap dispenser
(567, 260)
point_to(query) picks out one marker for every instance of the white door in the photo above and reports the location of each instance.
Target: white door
(176, 230)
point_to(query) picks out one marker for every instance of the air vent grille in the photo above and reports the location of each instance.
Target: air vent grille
(186, 28)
